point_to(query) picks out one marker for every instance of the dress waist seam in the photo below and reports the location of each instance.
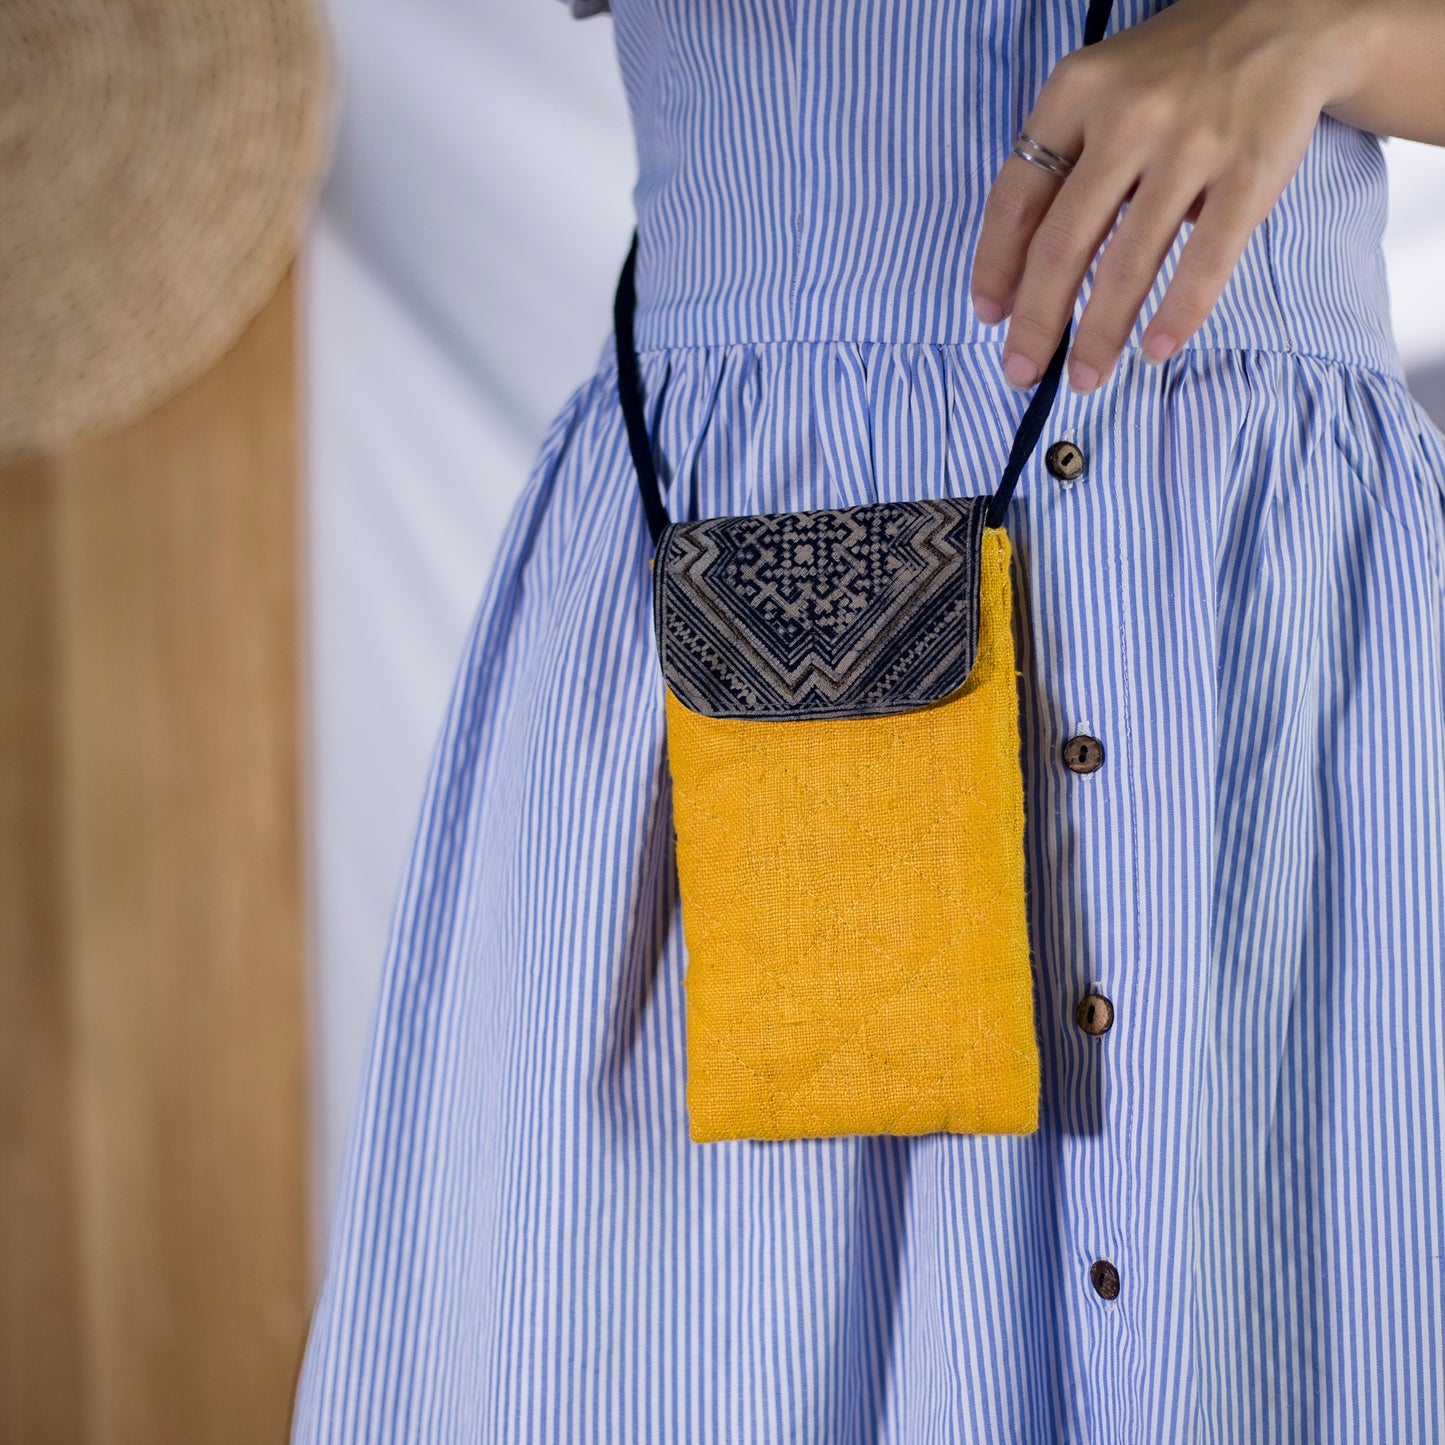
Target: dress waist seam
(1354, 363)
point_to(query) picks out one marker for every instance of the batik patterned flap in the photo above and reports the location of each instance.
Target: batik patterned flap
(854, 612)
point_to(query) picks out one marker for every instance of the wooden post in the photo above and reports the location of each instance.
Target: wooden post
(152, 925)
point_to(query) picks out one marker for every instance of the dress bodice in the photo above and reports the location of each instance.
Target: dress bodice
(818, 172)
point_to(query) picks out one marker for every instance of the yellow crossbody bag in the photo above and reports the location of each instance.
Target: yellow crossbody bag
(847, 794)
(844, 747)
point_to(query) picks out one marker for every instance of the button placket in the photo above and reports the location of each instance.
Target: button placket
(1083, 755)
(1084, 776)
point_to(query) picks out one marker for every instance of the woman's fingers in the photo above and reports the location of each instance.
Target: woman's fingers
(1126, 273)
(1021, 196)
(1059, 252)
(1018, 201)
(1227, 219)
(1064, 242)
(1041, 232)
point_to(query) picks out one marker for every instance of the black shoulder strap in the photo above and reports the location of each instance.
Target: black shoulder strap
(1031, 425)
(629, 380)
(629, 386)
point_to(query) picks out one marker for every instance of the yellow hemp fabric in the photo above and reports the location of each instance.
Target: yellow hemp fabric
(853, 908)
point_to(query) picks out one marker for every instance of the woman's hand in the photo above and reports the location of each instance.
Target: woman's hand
(1201, 114)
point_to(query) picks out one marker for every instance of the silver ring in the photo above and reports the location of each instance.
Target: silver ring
(1026, 148)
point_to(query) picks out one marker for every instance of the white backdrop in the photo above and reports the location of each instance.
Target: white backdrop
(459, 284)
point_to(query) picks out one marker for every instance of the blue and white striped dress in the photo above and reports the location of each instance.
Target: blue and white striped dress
(1243, 597)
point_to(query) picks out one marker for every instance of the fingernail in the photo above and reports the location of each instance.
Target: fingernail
(1082, 376)
(989, 311)
(1019, 371)
(1159, 347)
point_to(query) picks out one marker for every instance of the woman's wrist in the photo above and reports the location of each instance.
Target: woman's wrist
(1346, 38)
(1333, 45)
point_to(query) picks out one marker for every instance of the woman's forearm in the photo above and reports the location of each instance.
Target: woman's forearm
(1392, 78)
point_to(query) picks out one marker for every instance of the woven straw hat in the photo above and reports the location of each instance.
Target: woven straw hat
(157, 158)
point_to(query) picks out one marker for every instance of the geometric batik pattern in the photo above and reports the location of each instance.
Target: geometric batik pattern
(853, 612)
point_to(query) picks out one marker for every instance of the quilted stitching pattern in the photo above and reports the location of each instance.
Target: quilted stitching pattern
(853, 907)
(843, 613)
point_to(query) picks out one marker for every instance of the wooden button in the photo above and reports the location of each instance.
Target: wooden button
(1083, 754)
(1064, 461)
(1105, 1279)
(1094, 1014)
